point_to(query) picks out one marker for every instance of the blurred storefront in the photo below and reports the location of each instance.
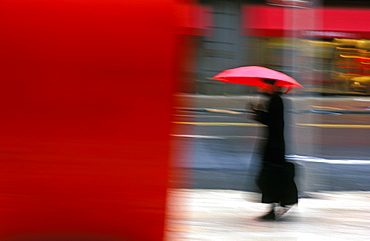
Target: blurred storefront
(326, 48)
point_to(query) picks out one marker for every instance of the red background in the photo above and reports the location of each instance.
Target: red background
(85, 102)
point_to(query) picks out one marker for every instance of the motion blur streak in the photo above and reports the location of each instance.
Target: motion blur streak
(79, 80)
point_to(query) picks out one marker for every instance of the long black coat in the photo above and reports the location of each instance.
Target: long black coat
(276, 177)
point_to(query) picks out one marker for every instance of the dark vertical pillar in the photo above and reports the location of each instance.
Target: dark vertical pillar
(222, 50)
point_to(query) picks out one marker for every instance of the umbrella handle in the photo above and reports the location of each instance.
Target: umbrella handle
(288, 89)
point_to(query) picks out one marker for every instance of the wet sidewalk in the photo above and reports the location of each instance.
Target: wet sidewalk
(232, 215)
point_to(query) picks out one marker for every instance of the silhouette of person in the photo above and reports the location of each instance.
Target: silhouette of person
(276, 177)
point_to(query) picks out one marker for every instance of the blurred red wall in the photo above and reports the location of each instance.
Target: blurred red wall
(85, 103)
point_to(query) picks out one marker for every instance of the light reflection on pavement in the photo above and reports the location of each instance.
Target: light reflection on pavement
(232, 215)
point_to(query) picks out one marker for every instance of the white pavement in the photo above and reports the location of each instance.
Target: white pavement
(232, 215)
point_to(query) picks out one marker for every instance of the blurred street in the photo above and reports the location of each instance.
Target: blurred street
(328, 142)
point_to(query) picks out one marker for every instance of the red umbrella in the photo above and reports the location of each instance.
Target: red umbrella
(254, 75)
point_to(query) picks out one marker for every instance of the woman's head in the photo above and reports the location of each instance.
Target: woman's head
(268, 87)
(269, 81)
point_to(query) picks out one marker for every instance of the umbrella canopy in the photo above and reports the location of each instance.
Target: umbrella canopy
(254, 75)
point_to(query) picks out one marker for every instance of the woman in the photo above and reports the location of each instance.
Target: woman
(276, 177)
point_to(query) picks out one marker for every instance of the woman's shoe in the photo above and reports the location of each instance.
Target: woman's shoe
(270, 216)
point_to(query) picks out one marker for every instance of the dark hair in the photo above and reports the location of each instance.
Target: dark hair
(269, 81)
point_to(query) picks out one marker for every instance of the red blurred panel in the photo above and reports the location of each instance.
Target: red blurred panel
(323, 22)
(193, 19)
(262, 17)
(350, 19)
(85, 100)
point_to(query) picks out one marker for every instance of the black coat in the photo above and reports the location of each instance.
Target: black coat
(276, 177)
(273, 150)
